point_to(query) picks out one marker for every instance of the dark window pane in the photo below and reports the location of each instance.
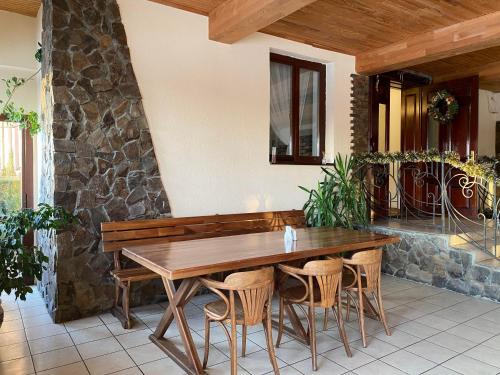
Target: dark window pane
(309, 143)
(281, 108)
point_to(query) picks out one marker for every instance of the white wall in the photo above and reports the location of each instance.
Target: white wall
(207, 105)
(487, 124)
(17, 50)
(18, 43)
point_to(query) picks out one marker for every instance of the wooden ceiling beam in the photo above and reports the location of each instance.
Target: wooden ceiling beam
(235, 19)
(463, 37)
(24, 7)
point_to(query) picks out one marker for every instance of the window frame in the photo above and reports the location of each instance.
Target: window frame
(296, 65)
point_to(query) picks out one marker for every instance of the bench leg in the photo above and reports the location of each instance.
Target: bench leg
(126, 304)
(122, 312)
(117, 293)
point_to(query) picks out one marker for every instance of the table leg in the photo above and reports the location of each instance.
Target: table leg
(178, 298)
(297, 331)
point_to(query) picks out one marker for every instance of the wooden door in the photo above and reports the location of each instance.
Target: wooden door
(459, 136)
(411, 140)
(379, 141)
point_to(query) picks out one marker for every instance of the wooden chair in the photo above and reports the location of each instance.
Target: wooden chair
(249, 303)
(362, 277)
(319, 286)
(116, 235)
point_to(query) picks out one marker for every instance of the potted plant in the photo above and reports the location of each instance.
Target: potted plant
(338, 200)
(17, 260)
(11, 112)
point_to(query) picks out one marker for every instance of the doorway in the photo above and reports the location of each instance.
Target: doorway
(400, 122)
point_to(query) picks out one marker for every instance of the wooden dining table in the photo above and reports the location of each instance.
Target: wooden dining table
(181, 263)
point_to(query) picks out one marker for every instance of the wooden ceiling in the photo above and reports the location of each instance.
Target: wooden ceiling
(25, 7)
(356, 26)
(359, 27)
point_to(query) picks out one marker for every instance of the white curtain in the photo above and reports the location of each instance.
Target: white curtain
(281, 82)
(307, 78)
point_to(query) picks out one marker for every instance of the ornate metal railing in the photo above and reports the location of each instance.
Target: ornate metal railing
(436, 195)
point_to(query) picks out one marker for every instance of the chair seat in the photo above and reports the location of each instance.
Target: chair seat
(217, 309)
(134, 274)
(298, 291)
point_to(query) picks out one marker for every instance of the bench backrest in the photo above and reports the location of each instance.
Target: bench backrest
(116, 235)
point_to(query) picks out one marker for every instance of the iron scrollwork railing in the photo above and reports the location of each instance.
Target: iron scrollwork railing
(436, 194)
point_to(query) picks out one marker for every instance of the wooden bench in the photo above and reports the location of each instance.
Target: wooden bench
(116, 235)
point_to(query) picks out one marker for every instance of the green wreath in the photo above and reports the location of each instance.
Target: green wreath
(443, 107)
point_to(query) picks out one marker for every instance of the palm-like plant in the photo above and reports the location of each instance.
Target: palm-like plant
(338, 200)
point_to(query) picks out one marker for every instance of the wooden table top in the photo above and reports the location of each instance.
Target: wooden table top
(179, 260)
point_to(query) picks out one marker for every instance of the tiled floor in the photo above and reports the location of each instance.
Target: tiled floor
(434, 331)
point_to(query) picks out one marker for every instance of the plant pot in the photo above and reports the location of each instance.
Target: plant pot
(3, 117)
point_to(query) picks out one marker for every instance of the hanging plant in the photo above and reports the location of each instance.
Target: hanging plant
(10, 112)
(443, 107)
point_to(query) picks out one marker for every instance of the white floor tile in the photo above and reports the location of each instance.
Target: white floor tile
(431, 351)
(37, 320)
(485, 354)
(472, 334)
(417, 329)
(484, 325)
(146, 353)
(437, 322)
(493, 316)
(408, 362)
(470, 366)
(100, 347)
(10, 338)
(162, 367)
(77, 368)
(117, 329)
(136, 338)
(258, 363)
(441, 370)
(75, 325)
(46, 344)
(56, 358)
(224, 368)
(20, 366)
(452, 342)
(378, 368)
(325, 367)
(129, 371)
(11, 325)
(14, 351)
(358, 358)
(46, 330)
(397, 338)
(494, 342)
(90, 334)
(292, 352)
(109, 363)
(376, 348)
(215, 356)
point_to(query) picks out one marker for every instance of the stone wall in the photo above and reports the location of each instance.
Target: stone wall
(359, 113)
(429, 258)
(97, 154)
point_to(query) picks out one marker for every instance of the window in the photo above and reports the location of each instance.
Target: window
(16, 167)
(297, 129)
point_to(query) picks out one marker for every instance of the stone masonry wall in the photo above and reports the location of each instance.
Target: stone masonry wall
(429, 258)
(359, 113)
(98, 157)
